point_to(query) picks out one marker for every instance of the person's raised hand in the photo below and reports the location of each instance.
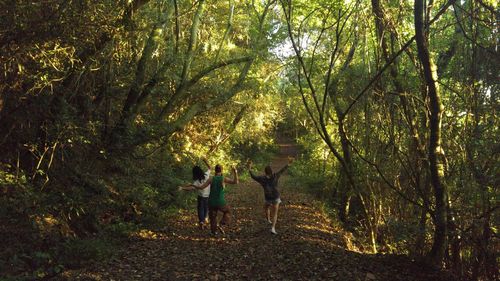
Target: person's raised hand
(249, 164)
(205, 160)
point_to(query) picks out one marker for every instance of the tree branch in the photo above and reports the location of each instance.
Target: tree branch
(394, 57)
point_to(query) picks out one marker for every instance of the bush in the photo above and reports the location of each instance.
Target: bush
(79, 252)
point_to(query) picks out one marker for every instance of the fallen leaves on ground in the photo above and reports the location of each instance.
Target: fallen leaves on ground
(307, 247)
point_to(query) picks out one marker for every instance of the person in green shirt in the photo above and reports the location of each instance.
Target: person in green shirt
(216, 199)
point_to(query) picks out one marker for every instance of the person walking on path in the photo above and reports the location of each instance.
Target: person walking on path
(216, 199)
(269, 182)
(199, 178)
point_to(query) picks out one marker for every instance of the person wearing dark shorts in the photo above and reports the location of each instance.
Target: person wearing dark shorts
(216, 199)
(269, 182)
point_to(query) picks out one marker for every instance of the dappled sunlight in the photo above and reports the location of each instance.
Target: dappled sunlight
(319, 244)
(309, 214)
(245, 220)
(299, 207)
(324, 230)
(148, 234)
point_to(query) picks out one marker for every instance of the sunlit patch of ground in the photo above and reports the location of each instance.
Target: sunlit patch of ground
(148, 234)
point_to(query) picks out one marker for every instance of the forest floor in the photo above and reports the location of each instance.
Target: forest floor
(308, 246)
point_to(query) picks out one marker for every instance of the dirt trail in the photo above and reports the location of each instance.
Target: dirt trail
(307, 246)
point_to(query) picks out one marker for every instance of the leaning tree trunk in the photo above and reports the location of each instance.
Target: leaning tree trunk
(435, 151)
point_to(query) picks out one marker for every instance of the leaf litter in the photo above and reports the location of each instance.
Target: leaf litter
(307, 247)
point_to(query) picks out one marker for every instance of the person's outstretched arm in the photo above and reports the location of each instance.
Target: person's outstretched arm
(235, 179)
(187, 187)
(290, 160)
(260, 179)
(252, 175)
(205, 184)
(206, 163)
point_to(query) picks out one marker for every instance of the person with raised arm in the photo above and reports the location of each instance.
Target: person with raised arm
(199, 178)
(269, 182)
(216, 199)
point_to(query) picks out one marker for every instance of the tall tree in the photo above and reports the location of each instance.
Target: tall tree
(435, 150)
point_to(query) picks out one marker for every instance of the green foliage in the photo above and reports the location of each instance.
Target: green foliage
(315, 171)
(99, 125)
(387, 128)
(75, 253)
(315, 184)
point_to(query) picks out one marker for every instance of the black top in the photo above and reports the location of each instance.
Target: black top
(269, 184)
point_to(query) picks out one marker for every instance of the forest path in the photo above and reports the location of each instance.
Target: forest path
(307, 247)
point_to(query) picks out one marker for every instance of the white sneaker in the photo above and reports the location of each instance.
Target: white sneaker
(273, 231)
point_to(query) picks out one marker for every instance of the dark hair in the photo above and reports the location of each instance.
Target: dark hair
(198, 174)
(218, 168)
(268, 170)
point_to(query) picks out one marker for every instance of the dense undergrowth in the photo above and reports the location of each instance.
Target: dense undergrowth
(83, 225)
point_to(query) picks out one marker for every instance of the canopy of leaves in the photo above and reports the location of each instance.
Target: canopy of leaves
(106, 105)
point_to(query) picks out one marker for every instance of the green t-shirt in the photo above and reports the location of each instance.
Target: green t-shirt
(216, 197)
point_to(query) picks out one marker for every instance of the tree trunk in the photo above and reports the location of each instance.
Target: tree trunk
(435, 151)
(415, 147)
(344, 188)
